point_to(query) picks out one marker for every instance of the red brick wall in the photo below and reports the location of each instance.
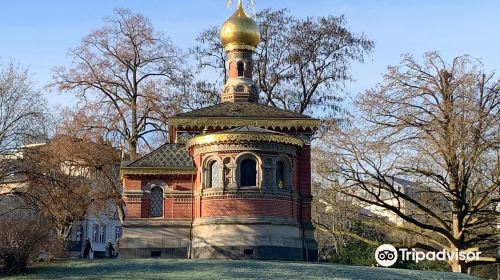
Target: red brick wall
(305, 170)
(182, 185)
(181, 207)
(146, 208)
(304, 179)
(233, 70)
(133, 209)
(132, 183)
(246, 208)
(168, 208)
(173, 208)
(306, 212)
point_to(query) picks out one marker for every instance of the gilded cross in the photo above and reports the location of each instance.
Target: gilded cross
(251, 4)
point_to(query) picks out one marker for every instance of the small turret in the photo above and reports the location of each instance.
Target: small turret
(240, 36)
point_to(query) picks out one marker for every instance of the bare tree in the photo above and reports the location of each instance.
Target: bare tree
(334, 214)
(23, 117)
(301, 64)
(22, 112)
(121, 74)
(67, 178)
(437, 125)
(273, 69)
(210, 53)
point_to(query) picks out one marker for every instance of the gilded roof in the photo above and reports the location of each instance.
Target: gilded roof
(166, 156)
(244, 134)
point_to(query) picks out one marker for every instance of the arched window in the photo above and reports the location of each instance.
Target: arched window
(214, 174)
(240, 88)
(280, 174)
(241, 68)
(248, 172)
(156, 202)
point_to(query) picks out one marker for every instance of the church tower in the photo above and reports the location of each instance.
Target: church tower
(234, 179)
(240, 36)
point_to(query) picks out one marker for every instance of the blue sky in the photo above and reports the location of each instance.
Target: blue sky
(38, 34)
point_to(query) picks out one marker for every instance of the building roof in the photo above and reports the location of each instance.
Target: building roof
(167, 159)
(241, 110)
(168, 155)
(229, 114)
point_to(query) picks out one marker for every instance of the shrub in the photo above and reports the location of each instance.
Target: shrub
(23, 237)
(355, 253)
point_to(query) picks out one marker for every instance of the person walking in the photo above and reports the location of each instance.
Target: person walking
(87, 248)
(110, 250)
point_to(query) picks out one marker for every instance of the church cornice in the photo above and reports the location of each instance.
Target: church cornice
(157, 171)
(217, 138)
(281, 123)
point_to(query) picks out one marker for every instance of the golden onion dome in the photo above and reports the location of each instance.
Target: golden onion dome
(240, 31)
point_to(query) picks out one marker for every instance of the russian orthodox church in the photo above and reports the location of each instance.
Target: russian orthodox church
(234, 181)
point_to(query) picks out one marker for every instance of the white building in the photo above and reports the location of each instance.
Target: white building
(401, 185)
(99, 230)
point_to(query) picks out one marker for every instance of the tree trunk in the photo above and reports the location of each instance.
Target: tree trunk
(132, 141)
(119, 208)
(132, 147)
(458, 266)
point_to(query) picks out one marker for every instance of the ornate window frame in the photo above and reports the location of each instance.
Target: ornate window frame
(235, 61)
(161, 203)
(258, 166)
(150, 186)
(207, 173)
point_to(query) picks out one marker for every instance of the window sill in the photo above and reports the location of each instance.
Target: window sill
(248, 187)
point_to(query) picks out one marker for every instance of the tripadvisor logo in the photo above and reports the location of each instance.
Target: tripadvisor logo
(387, 255)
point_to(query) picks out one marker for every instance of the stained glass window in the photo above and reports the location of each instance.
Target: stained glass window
(214, 174)
(156, 202)
(248, 171)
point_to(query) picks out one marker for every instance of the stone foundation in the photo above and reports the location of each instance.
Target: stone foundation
(218, 238)
(251, 238)
(154, 238)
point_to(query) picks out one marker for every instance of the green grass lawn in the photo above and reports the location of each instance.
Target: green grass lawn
(219, 269)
